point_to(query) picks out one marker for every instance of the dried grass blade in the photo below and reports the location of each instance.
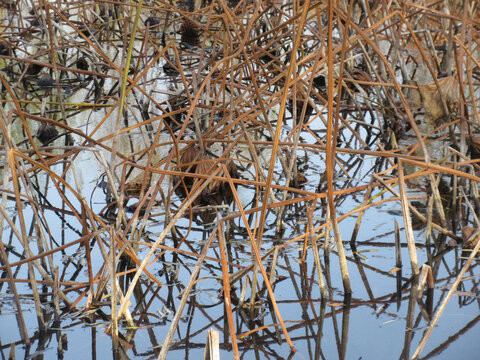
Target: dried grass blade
(124, 84)
(407, 220)
(330, 151)
(446, 300)
(186, 295)
(258, 259)
(316, 257)
(19, 313)
(226, 289)
(186, 204)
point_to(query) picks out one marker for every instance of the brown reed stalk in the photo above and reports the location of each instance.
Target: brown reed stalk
(23, 238)
(19, 314)
(186, 295)
(113, 292)
(226, 288)
(316, 256)
(233, 101)
(330, 150)
(407, 221)
(212, 347)
(258, 262)
(453, 288)
(182, 209)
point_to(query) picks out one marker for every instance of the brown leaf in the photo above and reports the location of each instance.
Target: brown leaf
(194, 162)
(469, 238)
(395, 269)
(134, 186)
(188, 156)
(475, 142)
(432, 99)
(203, 168)
(186, 164)
(467, 231)
(414, 98)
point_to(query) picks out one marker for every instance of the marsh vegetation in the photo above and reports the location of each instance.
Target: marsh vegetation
(300, 176)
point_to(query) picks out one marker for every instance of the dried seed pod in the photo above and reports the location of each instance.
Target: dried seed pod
(45, 81)
(5, 48)
(299, 108)
(170, 70)
(82, 64)
(190, 33)
(46, 132)
(319, 82)
(152, 21)
(34, 69)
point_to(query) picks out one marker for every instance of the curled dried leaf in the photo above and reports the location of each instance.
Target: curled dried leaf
(143, 179)
(188, 156)
(135, 186)
(186, 164)
(470, 237)
(431, 97)
(204, 167)
(217, 191)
